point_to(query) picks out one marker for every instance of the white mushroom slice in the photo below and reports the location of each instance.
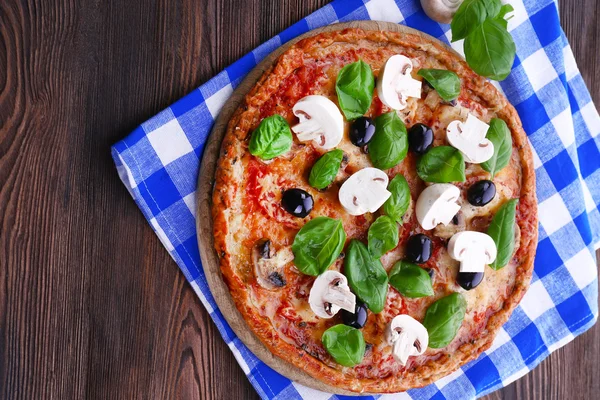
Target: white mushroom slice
(469, 138)
(320, 120)
(268, 264)
(329, 294)
(395, 83)
(407, 336)
(365, 191)
(473, 249)
(437, 205)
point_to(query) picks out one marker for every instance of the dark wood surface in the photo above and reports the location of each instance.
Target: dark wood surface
(91, 305)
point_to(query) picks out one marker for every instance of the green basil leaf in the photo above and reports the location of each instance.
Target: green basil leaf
(272, 138)
(345, 344)
(445, 82)
(366, 276)
(500, 136)
(411, 280)
(505, 9)
(383, 236)
(354, 87)
(399, 201)
(325, 169)
(470, 15)
(502, 230)
(318, 244)
(442, 164)
(389, 144)
(443, 319)
(490, 50)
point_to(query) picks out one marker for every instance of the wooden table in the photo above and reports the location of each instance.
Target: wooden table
(91, 304)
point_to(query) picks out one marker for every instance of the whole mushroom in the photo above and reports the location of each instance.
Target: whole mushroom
(330, 293)
(407, 336)
(441, 11)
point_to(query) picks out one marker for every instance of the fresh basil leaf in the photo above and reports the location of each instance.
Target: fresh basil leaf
(500, 136)
(345, 344)
(502, 230)
(390, 141)
(470, 15)
(411, 280)
(318, 244)
(383, 236)
(442, 164)
(445, 82)
(366, 276)
(399, 201)
(505, 9)
(325, 169)
(443, 319)
(490, 50)
(272, 138)
(354, 87)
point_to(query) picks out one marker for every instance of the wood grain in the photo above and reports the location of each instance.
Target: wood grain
(91, 305)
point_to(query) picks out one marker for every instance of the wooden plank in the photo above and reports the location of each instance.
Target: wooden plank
(91, 305)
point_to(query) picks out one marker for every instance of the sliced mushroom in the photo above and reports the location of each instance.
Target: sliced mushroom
(437, 204)
(320, 121)
(268, 264)
(395, 83)
(473, 249)
(469, 138)
(329, 294)
(365, 191)
(407, 336)
(441, 11)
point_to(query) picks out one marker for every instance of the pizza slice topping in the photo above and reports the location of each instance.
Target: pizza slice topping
(437, 204)
(329, 294)
(365, 191)
(407, 336)
(320, 121)
(396, 84)
(469, 138)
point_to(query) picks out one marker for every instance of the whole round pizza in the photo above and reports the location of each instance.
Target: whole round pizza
(374, 210)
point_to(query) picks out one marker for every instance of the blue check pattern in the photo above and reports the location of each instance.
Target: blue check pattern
(159, 164)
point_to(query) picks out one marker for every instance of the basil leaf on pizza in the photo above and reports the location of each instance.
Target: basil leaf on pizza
(366, 276)
(445, 82)
(382, 236)
(272, 138)
(399, 201)
(500, 136)
(345, 344)
(443, 319)
(354, 87)
(442, 164)
(390, 141)
(318, 244)
(502, 231)
(411, 280)
(325, 169)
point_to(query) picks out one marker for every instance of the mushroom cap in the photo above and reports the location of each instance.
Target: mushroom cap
(364, 191)
(437, 204)
(403, 332)
(473, 249)
(395, 83)
(330, 293)
(441, 11)
(320, 120)
(469, 138)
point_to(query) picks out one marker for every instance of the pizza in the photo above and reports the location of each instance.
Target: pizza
(374, 210)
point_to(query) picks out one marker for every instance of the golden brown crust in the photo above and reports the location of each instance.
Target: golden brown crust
(226, 190)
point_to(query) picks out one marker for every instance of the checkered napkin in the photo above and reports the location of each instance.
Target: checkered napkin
(159, 162)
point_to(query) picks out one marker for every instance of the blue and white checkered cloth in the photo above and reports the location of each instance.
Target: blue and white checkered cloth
(159, 164)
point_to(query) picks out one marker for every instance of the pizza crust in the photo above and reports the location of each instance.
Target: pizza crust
(325, 377)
